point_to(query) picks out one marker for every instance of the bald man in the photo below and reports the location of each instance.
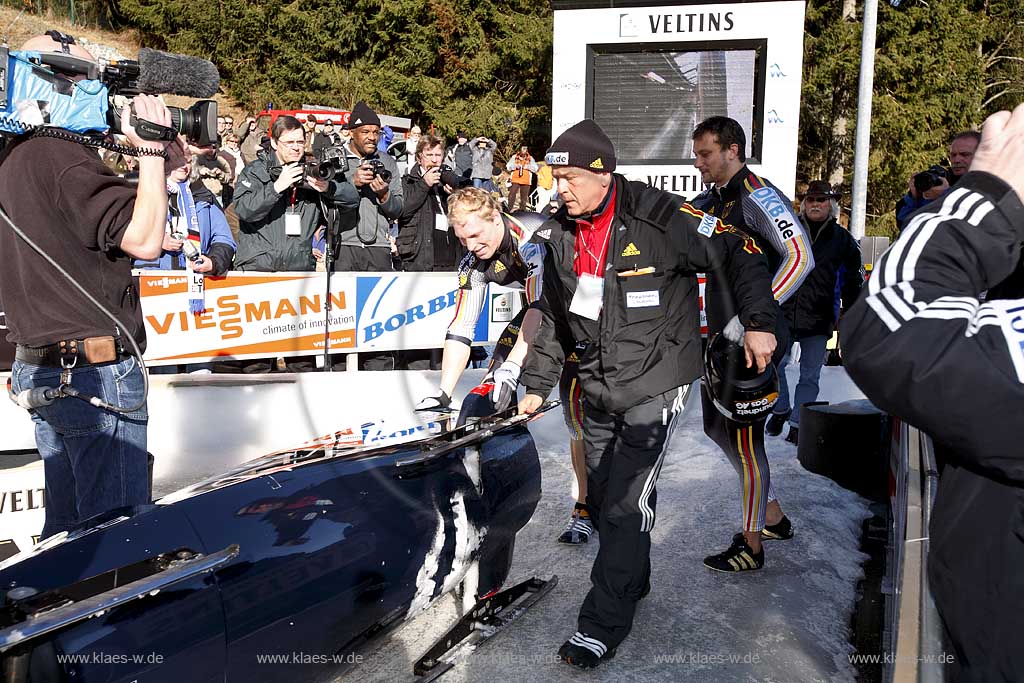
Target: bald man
(92, 223)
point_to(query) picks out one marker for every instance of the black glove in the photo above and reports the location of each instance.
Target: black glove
(439, 401)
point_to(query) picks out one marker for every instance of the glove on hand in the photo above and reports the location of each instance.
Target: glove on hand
(734, 330)
(439, 401)
(506, 381)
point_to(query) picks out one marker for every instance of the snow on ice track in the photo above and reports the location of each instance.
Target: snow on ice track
(787, 622)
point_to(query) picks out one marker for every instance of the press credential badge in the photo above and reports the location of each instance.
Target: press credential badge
(589, 296)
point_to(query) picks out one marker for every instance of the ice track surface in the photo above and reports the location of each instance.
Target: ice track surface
(788, 622)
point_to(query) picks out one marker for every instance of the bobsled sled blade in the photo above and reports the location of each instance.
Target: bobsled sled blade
(472, 433)
(48, 621)
(489, 617)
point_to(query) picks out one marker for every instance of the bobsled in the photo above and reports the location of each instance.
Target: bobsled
(299, 557)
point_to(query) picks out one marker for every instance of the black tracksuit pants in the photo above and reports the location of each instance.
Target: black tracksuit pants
(625, 452)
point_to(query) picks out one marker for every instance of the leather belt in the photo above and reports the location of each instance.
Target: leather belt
(76, 352)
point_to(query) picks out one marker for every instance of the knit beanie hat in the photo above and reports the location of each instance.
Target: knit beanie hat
(362, 115)
(584, 145)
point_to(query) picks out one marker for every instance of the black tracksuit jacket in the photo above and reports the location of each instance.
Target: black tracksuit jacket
(922, 345)
(638, 352)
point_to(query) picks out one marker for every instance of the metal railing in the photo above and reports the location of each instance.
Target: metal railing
(913, 622)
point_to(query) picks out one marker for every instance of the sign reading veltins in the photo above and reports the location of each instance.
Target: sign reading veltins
(648, 73)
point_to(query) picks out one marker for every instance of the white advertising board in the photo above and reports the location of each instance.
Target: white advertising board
(649, 74)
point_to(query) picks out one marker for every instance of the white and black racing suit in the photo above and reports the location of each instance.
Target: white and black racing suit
(759, 209)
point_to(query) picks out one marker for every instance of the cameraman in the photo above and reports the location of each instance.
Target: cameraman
(279, 206)
(927, 186)
(375, 177)
(92, 223)
(425, 242)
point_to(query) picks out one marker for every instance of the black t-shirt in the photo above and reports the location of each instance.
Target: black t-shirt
(63, 197)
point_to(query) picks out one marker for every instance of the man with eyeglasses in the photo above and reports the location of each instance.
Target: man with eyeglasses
(280, 207)
(812, 311)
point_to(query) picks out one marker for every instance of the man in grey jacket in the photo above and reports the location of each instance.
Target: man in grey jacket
(377, 181)
(483, 160)
(279, 207)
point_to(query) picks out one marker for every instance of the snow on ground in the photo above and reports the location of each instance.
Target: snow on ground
(787, 622)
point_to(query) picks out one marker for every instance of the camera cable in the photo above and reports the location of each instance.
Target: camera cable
(41, 396)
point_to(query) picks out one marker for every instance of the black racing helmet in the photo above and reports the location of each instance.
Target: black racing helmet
(740, 393)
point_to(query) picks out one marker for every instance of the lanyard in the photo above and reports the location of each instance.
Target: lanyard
(599, 261)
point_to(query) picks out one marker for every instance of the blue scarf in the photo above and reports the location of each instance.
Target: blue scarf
(190, 217)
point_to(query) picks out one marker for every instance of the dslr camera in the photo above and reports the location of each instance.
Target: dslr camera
(379, 169)
(926, 180)
(452, 179)
(329, 162)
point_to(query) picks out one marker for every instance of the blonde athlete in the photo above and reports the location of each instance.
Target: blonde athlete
(501, 251)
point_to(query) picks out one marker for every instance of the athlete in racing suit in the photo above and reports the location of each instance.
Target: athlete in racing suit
(750, 203)
(922, 345)
(500, 251)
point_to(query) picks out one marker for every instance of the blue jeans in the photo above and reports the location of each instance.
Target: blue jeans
(93, 460)
(812, 357)
(479, 182)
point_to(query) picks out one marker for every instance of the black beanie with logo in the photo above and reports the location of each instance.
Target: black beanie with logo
(584, 145)
(362, 115)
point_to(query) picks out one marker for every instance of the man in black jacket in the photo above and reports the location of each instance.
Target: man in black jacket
(620, 274)
(753, 205)
(425, 241)
(812, 310)
(922, 345)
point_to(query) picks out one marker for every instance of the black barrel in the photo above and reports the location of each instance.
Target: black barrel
(848, 443)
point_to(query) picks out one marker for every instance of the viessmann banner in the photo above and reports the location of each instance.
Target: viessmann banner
(259, 315)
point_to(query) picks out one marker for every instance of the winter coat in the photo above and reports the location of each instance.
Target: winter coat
(263, 244)
(483, 158)
(812, 309)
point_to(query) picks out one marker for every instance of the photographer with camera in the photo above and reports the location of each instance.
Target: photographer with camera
(280, 202)
(375, 177)
(425, 241)
(92, 223)
(927, 186)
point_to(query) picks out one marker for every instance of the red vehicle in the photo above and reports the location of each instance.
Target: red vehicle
(338, 117)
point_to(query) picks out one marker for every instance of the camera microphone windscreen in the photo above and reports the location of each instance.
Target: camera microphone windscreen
(164, 72)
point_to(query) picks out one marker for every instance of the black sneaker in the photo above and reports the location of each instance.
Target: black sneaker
(580, 527)
(584, 651)
(783, 531)
(794, 436)
(775, 423)
(738, 558)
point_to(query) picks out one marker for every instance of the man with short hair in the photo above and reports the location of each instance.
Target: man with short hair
(757, 208)
(620, 277)
(213, 171)
(327, 137)
(310, 126)
(961, 152)
(460, 156)
(812, 312)
(93, 224)
(366, 246)
(425, 240)
(249, 138)
(280, 207)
